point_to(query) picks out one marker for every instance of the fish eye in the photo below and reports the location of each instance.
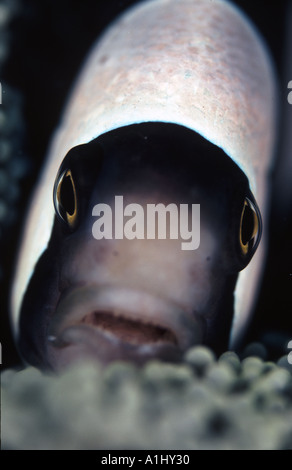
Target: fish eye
(250, 228)
(65, 198)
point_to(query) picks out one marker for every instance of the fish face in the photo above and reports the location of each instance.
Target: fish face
(153, 224)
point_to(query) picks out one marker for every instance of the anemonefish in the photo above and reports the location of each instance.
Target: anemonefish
(175, 108)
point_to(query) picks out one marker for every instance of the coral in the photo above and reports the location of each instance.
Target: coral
(203, 403)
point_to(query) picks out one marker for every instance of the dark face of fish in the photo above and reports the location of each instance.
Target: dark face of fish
(108, 287)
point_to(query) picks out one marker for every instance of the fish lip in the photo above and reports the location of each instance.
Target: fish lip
(80, 301)
(83, 342)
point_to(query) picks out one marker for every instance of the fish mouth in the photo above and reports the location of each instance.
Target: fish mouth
(129, 330)
(109, 323)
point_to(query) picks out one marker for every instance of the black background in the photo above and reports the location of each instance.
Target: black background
(49, 42)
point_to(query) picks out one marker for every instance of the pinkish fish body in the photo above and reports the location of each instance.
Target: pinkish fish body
(175, 106)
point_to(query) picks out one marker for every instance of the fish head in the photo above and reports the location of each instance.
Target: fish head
(145, 251)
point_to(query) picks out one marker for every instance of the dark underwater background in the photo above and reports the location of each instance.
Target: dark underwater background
(43, 46)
